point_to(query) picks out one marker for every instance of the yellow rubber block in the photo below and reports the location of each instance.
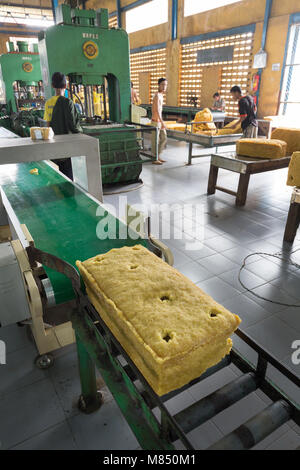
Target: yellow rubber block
(169, 327)
(231, 128)
(294, 170)
(290, 136)
(225, 131)
(204, 116)
(261, 148)
(200, 132)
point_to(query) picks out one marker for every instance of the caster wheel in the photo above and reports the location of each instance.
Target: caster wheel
(89, 406)
(45, 361)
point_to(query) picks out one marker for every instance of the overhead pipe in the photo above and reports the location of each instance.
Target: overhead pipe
(119, 13)
(54, 6)
(174, 19)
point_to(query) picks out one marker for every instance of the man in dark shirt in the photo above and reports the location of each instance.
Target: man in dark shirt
(62, 115)
(247, 110)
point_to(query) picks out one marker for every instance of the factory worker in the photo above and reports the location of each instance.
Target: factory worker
(247, 110)
(219, 103)
(62, 115)
(134, 96)
(157, 120)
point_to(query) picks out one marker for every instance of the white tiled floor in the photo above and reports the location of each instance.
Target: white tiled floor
(38, 408)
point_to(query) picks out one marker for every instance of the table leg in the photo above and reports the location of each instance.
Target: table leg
(90, 399)
(3, 214)
(212, 180)
(190, 153)
(93, 168)
(242, 190)
(292, 223)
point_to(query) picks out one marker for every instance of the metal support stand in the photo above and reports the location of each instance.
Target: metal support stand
(91, 399)
(245, 167)
(94, 343)
(191, 156)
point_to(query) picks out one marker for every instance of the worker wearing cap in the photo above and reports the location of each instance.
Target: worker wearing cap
(247, 110)
(62, 115)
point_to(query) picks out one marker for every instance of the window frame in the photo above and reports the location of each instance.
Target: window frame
(288, 66)
(133, 11)
(228, 2)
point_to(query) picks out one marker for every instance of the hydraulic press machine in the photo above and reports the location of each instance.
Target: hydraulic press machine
(95, 60)
(21, 88)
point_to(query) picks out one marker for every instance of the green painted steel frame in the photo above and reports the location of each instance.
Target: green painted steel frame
(97, 347)
(95, 350)
(11, 71)
(112, 61)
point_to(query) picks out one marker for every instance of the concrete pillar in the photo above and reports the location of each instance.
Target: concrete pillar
(3, 39)
(173, 71)
(173, 56)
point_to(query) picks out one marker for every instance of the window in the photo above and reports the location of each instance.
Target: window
(28, 40)
(290, 96)
(192, 7)
(145, 16)
(113, 22)
(30, 16)
(153, 62)
(235, 72)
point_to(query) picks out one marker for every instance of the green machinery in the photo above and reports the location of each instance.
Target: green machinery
(96, 60)
(21, 90)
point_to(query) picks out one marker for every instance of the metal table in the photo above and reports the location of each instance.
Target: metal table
(206, 141)
(7, 134)
(246, 167)
(187, 111)
(293, 220)
(21, 150)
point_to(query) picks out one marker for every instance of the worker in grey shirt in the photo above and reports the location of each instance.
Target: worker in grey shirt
(219, 103)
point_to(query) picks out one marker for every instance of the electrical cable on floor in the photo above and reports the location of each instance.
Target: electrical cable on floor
(125, 190)
(277, 256)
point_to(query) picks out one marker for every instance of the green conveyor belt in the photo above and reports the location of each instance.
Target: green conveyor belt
(61, 219)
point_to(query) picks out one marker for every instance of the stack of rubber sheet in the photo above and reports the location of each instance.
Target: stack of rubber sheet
(170, 328)
(261, 148)
(290, 136)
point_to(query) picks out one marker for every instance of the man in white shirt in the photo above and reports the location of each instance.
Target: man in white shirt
(157, 120)
(219, 103)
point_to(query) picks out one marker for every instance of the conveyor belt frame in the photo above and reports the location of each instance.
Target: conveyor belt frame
(97, 347)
